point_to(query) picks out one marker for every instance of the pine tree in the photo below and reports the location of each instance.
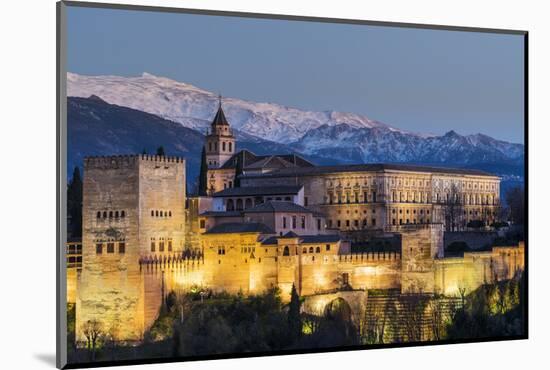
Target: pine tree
(160, 151)
(74, 204)
(203, 179)
(294, 319)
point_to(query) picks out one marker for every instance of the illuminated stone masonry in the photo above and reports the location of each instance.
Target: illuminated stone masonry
(288, 223)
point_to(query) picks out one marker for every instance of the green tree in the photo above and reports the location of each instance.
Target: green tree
(74, 204)
(294, 319)
(515, 198)
(160, 151)
(203, 179)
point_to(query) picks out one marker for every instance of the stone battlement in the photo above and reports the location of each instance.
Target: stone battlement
(369, 257)
(115, 161)
(173, 260)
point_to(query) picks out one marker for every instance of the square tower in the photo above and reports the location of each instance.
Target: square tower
(133, 206)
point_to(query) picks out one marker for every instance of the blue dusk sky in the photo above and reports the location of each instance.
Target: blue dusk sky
(428, 81)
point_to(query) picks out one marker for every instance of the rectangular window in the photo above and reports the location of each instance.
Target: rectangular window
(374, 197)
(365, 197)
(152, 246)
(303, 222)
(318, 224)
(161, 246)
(374, 222)
(293, 222)
(338, 223)
(329, 223)
(327, 247)
(121, 247)
(393, 221)
(347, 223)
(110, 247)
(356, 223)
(99, 248)
(202, 224)
(169, 246)
(284, 222)
(305, 201)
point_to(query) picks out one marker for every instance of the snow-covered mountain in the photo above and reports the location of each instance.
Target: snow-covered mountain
(194, 107)
(381, 145)
(329, 137)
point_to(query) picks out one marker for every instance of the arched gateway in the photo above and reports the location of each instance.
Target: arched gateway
(349, 305)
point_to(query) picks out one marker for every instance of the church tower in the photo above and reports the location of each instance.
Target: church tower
(220, 142)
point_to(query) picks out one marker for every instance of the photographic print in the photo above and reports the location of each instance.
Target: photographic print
(243, 185)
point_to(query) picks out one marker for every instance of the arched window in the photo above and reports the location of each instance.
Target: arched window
(230, 146)
(239, 204)
(318, 250)
(223, 146)
(152, 213)
(156, 213)
(98, 214)
(110, 214)
(304, 250)
(104, 214)
(310, 249)
(161, 214)
(229, 205)
(122, 214)
(169, 213)
(286, 251)
(248, 203)
(116, 214)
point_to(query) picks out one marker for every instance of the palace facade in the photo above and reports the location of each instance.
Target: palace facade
(288, 223)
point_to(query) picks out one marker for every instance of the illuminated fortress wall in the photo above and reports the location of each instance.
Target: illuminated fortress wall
(134, 229)
(132, 205)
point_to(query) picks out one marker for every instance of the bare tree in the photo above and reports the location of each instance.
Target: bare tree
(453, 209)
(93, 331)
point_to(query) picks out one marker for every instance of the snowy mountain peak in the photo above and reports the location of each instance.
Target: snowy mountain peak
(194, 107)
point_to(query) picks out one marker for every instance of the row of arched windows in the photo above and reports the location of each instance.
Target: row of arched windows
(305, 250)
(225, 146)
(157, 213)
(111, 214)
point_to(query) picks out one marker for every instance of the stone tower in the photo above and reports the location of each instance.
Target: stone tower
(220, 142)
(133, 206)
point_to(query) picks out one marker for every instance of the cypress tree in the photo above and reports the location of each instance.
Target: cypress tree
(74, 204)
(238, 171)
(203, 180)
(294, 320)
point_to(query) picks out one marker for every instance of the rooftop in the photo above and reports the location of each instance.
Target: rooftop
(277, 206)
(259, 190)
(305, 239)
(240, 227)
(374, 167)
(250, 160)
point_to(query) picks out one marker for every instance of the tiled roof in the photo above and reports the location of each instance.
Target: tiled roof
(259, 190)
(219, 119)
(221, 213)
(251, 161)
(277, 206)
(240, 227)
(375, 167)
(307, 239)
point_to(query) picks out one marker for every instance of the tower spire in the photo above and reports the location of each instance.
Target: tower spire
(219, 100)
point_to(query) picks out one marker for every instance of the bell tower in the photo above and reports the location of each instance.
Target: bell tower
(220, 142)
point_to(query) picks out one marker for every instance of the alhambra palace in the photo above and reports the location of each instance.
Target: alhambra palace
(272, 221)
